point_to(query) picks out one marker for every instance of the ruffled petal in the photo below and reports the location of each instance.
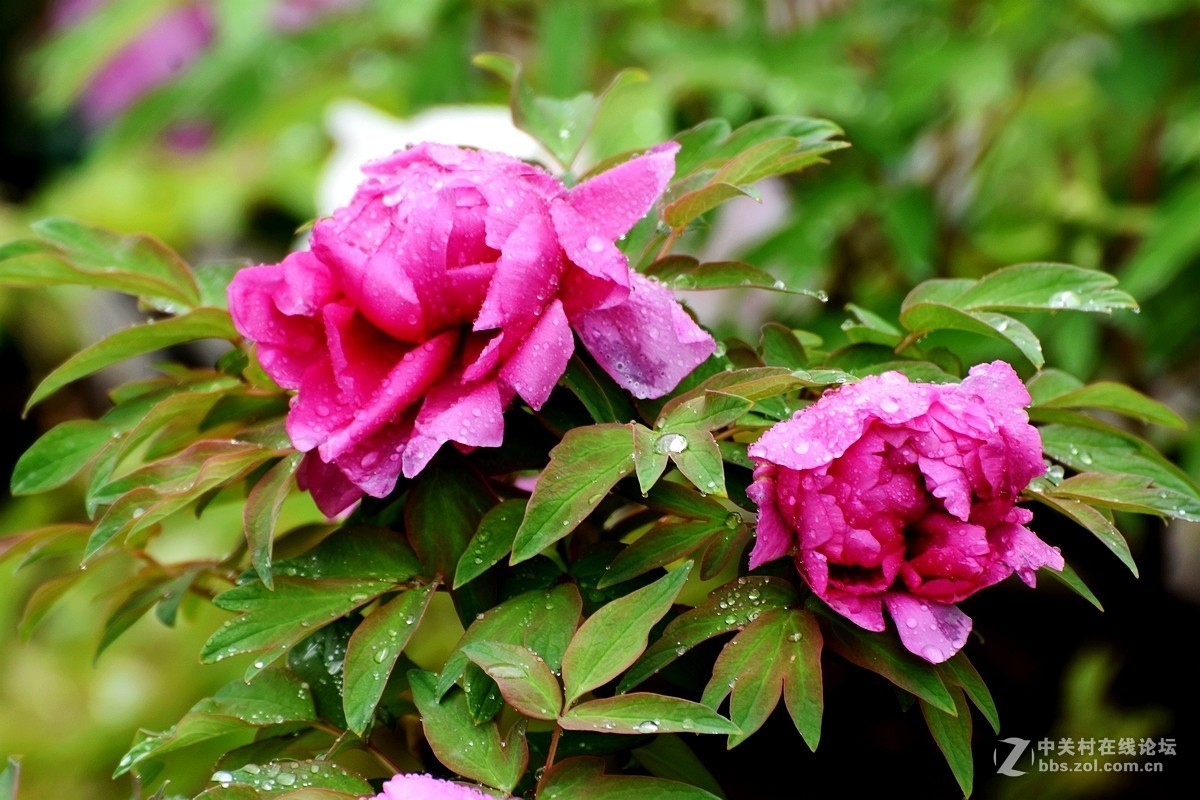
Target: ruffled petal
(471, 415)
(534, 369)
(933, 631)
(330, 489)
(772, 539)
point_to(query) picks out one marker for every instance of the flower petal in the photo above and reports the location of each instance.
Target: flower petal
(331, 490)
(933, 631)
(472, 415)
(542, 358)
(772, 539)
(613, 201)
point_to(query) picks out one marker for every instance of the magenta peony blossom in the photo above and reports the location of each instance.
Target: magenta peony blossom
(902, 494)
(413, 786)
(451, 284)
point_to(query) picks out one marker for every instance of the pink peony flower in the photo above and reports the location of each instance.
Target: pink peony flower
(451, 284)
(902, 494)
(413, 786)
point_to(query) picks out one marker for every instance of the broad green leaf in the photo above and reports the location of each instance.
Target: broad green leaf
(355, 551)
(687, 274)
(484, 700)
(612, 638)
(959, 671)
(44, 542)
(1041, 286)
(923, 318)
(444, 508)
(668, 756)
(475, 752)
(679, 212)
(882, 654)
(59, 455)
(1128, 493)
(543, 621)
(695, 452)
(777, 156)
(952, 733)
(135, 597)
(1093, 521)
(756, 383)
(261, 512)
(1070, 578)
(663, 544)
(196, 468)
(271, 621)
(526, 682)
(709, 412)
(203, 323)
(120, 516)
(583, 467)
(641, 712)
(648, 462)
(711, 144)
(779, 347)
(492, 541)
(43, 599)
(294, 780)
(728, 547)
(750, 668)
(584, 779)
(372, 652)
(803, 691)
(728, 608)
(1120, 399)
(274, 697)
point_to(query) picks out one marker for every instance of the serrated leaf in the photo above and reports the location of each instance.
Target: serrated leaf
(261, 512)
(493, 540)
(641, 712)
(372, 652)
(685, 273)
(272, 621)
(543, 621)
(728, 608)
(952, 733)
(613, 638)
(803, 691)
(203, 323)
(475, 752)
(668, 756)
(523, 677)
(584, 779)
(663, 544)
(1120, 399)
(959, 671)
(750, 669)
(583, 467)
(355, 551)
(1093, 521)
(444, 508)
(882, 654)
(59, 455)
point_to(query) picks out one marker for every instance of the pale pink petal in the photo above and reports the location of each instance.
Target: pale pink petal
(613, 201)
(413, 786)
(648, 343)
(933, 631)
(330, 489)
(471, 415)
(1024, 553)
(534, 369)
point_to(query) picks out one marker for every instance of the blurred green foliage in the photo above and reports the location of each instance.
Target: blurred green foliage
(984, 133)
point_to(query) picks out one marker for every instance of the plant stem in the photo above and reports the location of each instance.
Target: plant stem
(549, 757)
(339, 735)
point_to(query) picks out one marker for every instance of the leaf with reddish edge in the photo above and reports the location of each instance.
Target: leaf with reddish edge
(642, 712)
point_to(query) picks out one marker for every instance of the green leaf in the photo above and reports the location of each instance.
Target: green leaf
(297, 780)
(952, 733)
(1127, 493)
(583, 467)
(543, 621)
(728, 608)
(443, 511)
(612, 638)
(475, 752)
(696, 454)
(491, 542)
(43, 599)
(372, 652)
(584, 779)
(272, 621)
(708, 412)
(663, 544)
(1093, 521)
(710, 144)
(59, 455)
(779, 347)
(1042, 286)
(603, 399)
(687, 274)
(1120, 399)
(203, 323)
(10, 778)
(645, 713)
(648, 462)
(728, 547)
(803, 692)
(680, 500)
(274, 697)
(44, 542)
(526, 682)
(355, 551)
(882, 654)
(755, 383)
(923, 318)
(261, 512)
(751, 668)
(959, 671)
(668, 756)
(1069, 578)
(679, 212)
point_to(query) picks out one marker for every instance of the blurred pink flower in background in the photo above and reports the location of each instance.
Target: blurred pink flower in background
(448, 286)
(902, 495)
